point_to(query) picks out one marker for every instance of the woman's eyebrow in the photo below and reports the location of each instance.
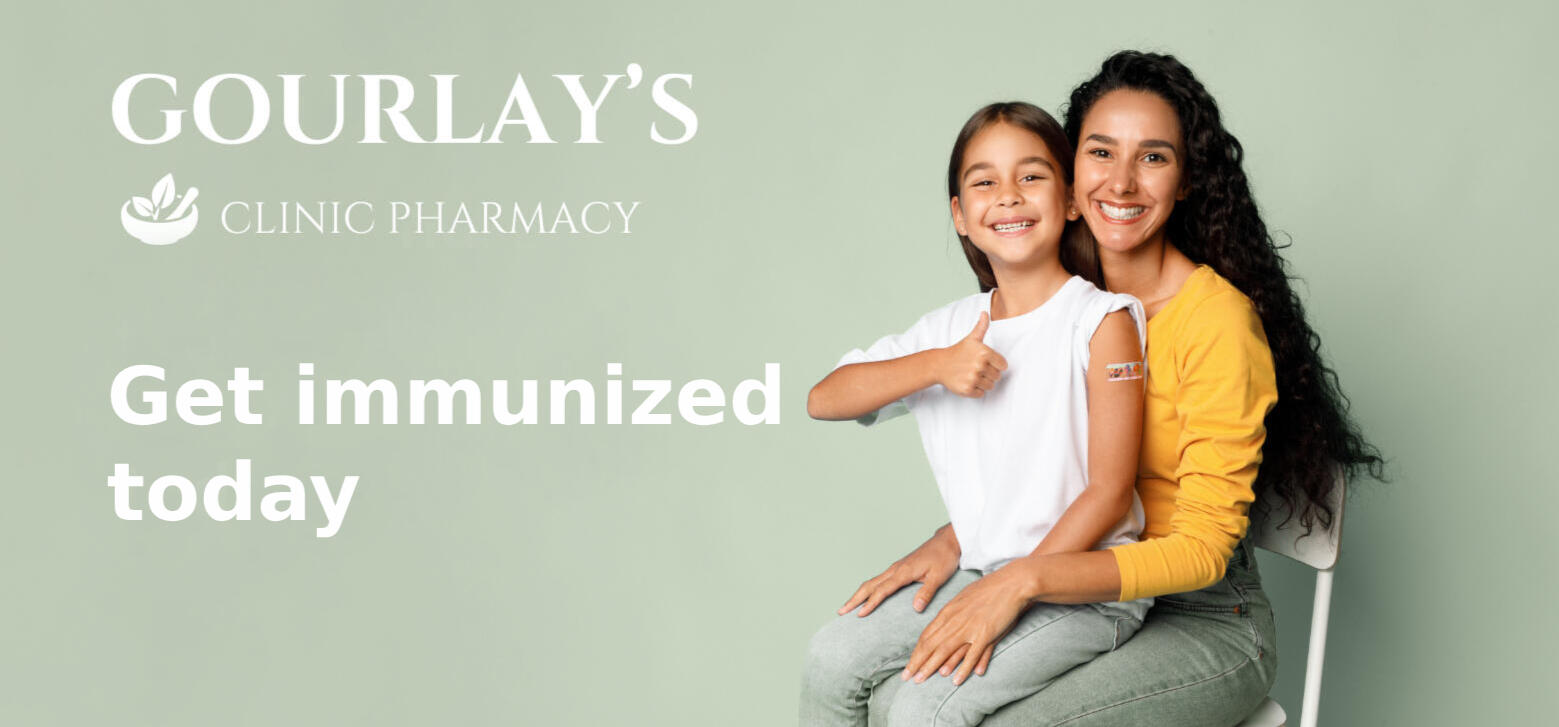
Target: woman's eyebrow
(1146, 143)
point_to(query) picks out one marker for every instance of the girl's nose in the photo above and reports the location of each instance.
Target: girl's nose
(1009, 195)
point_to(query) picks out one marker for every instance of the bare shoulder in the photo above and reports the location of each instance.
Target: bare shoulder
(1116, 334)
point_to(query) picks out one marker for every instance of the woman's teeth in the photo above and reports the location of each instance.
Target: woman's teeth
(1121, 213)
(1010, 226)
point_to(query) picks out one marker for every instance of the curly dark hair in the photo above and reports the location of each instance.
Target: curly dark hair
(1309, 432)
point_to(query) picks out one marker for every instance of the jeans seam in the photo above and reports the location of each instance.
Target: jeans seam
(869, 685)
(1244, 614)
(1116, 644)
(1219, 675)
(937, 714)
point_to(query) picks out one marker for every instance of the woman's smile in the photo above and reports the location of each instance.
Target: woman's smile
(1120, 213)
(1128, 174)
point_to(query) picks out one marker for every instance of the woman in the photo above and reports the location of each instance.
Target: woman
(1235, 383)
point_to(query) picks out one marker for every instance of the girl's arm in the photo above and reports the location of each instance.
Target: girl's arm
(1226, 387)
(967, 368)
(1114, 438)
(931, 564)
(963, 636)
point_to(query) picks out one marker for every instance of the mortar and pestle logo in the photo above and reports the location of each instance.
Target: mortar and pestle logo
(164, 218)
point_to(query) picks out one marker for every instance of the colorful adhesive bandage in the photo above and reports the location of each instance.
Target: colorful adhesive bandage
(1123, 371)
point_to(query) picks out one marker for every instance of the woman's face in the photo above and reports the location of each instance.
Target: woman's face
(1130, 162)
(1012, 201)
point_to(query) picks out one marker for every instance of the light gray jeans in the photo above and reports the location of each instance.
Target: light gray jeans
(1202, 659)
(850, 656)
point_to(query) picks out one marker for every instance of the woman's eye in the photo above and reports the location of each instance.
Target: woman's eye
(1154, 158)
(1100, 153)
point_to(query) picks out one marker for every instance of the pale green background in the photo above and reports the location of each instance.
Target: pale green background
(671, 576)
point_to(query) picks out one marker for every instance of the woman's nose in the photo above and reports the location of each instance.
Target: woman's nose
(1123, 179)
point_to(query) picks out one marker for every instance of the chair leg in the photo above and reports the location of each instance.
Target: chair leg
(1317, 655)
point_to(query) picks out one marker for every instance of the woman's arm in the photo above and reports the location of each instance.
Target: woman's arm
(967, 368)
(1226, 386)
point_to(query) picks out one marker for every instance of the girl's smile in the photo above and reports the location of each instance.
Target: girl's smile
(1012, 226)
(1012, 201)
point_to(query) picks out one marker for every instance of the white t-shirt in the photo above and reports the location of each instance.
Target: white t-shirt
(1008, 464)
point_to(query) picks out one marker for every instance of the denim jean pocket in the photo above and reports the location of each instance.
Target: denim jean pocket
(1125, 628)
(1125, 617)
(1231, 594)
(1220, 597)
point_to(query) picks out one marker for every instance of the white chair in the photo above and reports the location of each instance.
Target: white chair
(1318, 550)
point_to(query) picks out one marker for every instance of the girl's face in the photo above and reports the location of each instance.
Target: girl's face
(1012, 201)
(1128, 174)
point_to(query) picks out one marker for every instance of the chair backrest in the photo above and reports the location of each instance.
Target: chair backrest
(1319, 549)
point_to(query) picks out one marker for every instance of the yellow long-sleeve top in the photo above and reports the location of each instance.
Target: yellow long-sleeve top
(1210, 384)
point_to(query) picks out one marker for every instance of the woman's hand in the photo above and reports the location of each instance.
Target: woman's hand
(931, 564)
(969, 367)
(964, 633)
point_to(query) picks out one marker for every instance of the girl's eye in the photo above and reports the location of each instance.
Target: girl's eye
(982, 183)
(1032, 178)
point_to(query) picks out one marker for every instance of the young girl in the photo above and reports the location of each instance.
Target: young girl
(1029, 401)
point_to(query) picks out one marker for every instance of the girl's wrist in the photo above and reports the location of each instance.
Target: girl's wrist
(932, 371)
(946, 535)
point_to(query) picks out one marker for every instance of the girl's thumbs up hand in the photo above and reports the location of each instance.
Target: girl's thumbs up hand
(970, 368)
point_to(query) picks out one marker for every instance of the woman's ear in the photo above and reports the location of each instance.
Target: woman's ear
(958, 218)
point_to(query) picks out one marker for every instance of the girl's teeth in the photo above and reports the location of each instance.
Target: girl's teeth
(1121, 213)
(1013, 226)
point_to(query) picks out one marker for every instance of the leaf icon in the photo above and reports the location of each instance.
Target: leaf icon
(162, 193)
(143, 207)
